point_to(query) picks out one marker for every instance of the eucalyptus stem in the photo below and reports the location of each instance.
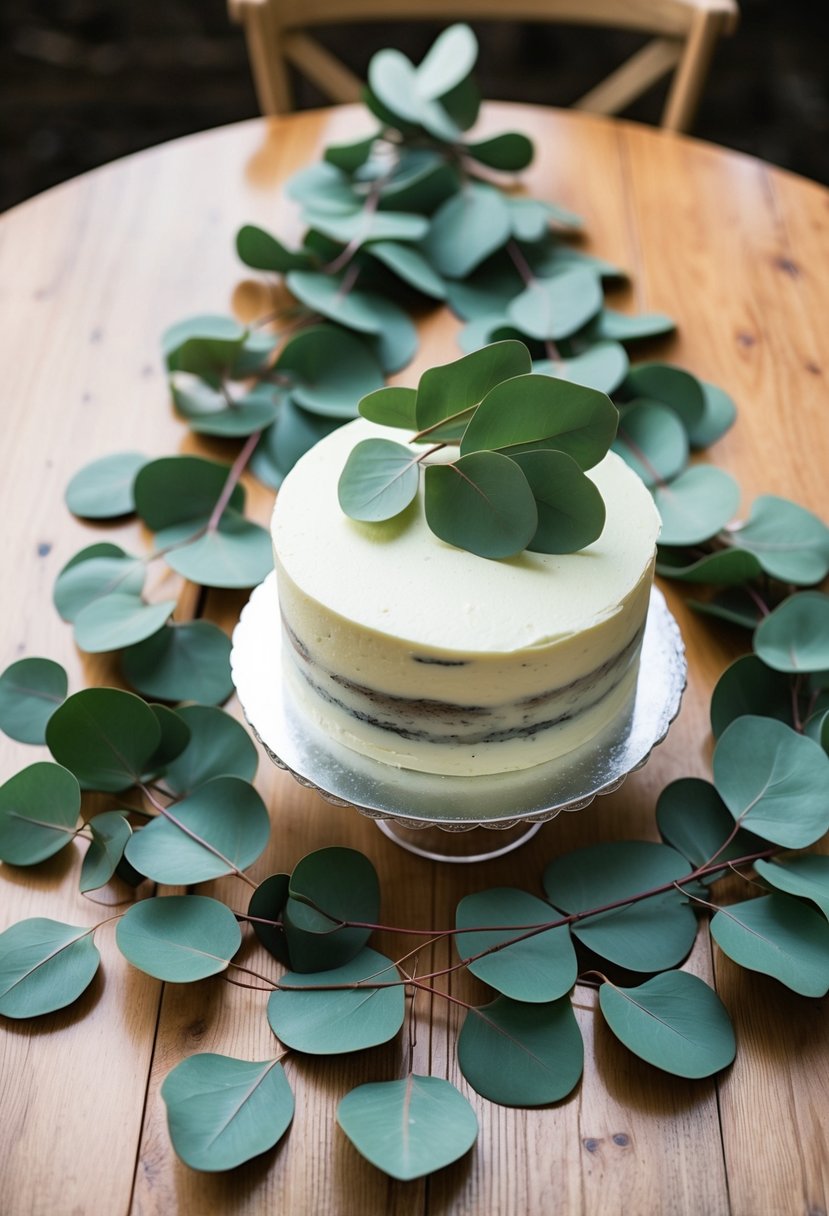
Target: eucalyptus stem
(236, 470)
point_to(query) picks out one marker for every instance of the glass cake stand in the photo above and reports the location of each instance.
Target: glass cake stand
(429, 814)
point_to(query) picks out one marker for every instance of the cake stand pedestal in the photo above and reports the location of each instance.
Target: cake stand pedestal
(433, 815)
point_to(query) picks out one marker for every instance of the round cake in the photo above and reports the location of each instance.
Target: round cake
(420, 655)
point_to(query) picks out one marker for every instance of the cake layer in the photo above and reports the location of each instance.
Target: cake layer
(429, 657)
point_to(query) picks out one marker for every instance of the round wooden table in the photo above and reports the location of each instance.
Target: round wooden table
(90, 274)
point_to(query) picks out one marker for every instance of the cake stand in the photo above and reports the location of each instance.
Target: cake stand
(429, 814)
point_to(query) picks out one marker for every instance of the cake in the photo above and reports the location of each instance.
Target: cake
(423, 656)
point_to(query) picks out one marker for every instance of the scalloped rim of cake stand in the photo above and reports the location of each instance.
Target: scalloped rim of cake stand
(455, 804)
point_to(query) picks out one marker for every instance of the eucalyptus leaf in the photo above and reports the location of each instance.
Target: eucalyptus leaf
(794, 638)
(205, 345)
(44, 965)
(379, 480)
(806, 876)
(486, 293)
(557, 307)
(571, 511)
(674, 1021)
(653, 441)
(734, 606)
(103, 489)
(236, 553)
(817, 727)
(325, 188)
(104, 736)
(649, 935)
(293, 434)
(408, 1128)
(673, 386)
(519, 1054)
(328, 887)
(364, 311)
(718, 416)
(211, 412)
(175, 735)
(396, 342)
(222, 1112)
(448, 62)
(350, 156)
(789, 542)
(778, 936)
(422, 180)
(773, 780)
(181, 662)
(724, 568)
(510, 151)
(603, 367)
(262, 251)
(221, 828)
(409, 265)
(93, 574)
(39, 808)
(531, 412)
(360, 227)
(623, 327)
(254, 356)
(450, 392)
(219, 746)
(749, 686)
(268, 903)
(693, 819)
(330, 370)
(110, 833)
(114, 621)
(391, 406)
(30, 692)
(530, 217)
(466, 229)
(696, 504)
(180, 938)
(344, 1019)
(482, 503)
(176, 490)
(540, 968)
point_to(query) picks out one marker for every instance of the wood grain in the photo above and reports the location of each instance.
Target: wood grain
(90, 274)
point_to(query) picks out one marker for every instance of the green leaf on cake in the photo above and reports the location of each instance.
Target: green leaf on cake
(696, 505)
(540, 968)
(749, 686)
(408, 1128)
(652, 440)
(44, 965)
(342, 1019)
(262, 251)
(182, 662)
(218, 746)
(180, 938)
(106, 737)
(778, 936)
(806, 876)
(794, 638)
(571, 511)
(39, 808)
(789, 542)
(603, 367)
(773, 781)
(328, 887)
(674, 1021)
(30, 692)
(391, 406)
(110, 833)
(449, 393)
(693, 819)
(482, 503)
(379, 480)
(466, 229)
(557, 307)
(222, 827)
(103, 489)
(519, 1054)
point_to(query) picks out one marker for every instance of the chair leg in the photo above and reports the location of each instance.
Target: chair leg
(270, 72)
(689, 77)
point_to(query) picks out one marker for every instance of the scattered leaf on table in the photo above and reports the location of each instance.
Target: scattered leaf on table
(39, 808)
(30, 692)
(778, 936)
(180, 938)
(103, 489)
(44, 965)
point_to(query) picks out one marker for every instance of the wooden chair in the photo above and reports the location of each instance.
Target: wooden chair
(685, 32)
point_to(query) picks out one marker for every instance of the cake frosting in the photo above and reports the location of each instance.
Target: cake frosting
(427, 657)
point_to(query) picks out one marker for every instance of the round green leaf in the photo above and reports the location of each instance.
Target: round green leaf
(519, 1054)
(182, 662)
(651, 935)
(795, 636)
(255, 356)
(482, 503)
(539, 968)
(773, 781)
(789, 542)
(621, 327)
(330, 370)
(340, 1020)
(486, 293)
(44, 965)
(510, 151)
(806, 876)
(118, 620)
(391, 406)
(696, 505)
(408, 1128)
(219, 746)
(735, 606)
(672, 386)
(531, 412)
(817, 727)
(466, 229)
(105, 737)
(39, 809)
(181, 489)
(110, 833)
(674, 1021)
(224, 826)
(410, 266)
(695, 821)
(30, 692)
(603, 367)
(379, 480)
(363, 226)
(448, 62)
(396, 343)
(778, 936)
(571, 511)
(422, 180)
(103, 489)
(725, 568)
(361, 310)
(291, 436)
(341, 883)
(748, 686)
(718, 416)
(652, 441)
(93, 574)
(261, 251)
(349, 157)
(211, 412)
(237, 553)
(268, 902)
(175, 735)
(204, 345)
(222, 1112)
(323, 187)
(454, 389)
(557, 307)
(180, 938)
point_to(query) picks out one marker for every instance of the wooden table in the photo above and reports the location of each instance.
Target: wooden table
(90, 274)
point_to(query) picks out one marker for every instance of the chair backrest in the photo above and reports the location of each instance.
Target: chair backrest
(684, 35)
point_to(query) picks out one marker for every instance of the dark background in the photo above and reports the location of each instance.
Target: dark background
(85, 81)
